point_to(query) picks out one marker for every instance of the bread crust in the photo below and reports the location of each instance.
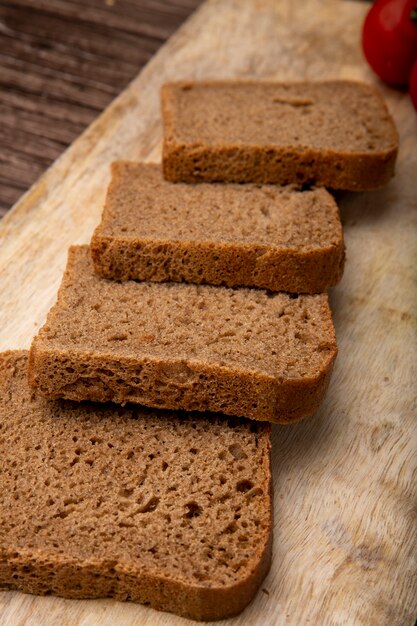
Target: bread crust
(76, 369)
(222, 264)
(39, 574)
(193, 385)
(54, 564)
(309, 267)
(197, 161)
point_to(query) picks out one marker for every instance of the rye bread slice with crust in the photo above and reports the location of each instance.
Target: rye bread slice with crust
(245, 352)
(166, 509)
(277, 238)
(337, 134)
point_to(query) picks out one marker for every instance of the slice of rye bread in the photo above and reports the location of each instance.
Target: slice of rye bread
(167, 509)
(243, 352)
(277, 238)
(338, 134)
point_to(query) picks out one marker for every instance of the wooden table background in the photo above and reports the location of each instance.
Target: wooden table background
(61, 64)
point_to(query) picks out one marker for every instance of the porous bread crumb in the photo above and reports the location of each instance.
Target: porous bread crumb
(277, 238)
(245, 352)
(167, 509)
(336, 134)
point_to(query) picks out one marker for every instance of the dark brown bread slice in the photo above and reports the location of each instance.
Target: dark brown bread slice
(337, 134)
(171, 510)
(242, 352)
(277, 238)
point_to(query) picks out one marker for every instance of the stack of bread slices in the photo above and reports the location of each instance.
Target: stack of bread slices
(197, 316)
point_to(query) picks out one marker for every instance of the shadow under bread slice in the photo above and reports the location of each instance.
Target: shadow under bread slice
(245, 352)
(335, 133)
(277, 238)
(167, 509)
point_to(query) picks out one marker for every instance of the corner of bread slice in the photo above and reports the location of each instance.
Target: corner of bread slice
(210, 601)
(99, 242)
(34, 360)
(207, 603)
(44, 367)
(10, 361)
(171, 87)
(99, 245)
(118, 167)
(168, 99)
(298, 399)
(170, 145)
(52, 371)
(39, 356)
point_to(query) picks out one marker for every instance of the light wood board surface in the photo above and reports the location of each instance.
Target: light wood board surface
(345, 514)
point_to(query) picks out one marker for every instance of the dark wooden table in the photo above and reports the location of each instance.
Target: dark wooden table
(61, 63)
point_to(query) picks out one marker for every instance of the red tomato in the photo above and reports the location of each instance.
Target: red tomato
(389, 39)
(413, 85)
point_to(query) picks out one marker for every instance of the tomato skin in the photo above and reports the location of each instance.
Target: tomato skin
(389, 40)
(413, 85)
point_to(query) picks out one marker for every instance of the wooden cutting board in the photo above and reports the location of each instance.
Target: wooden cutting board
(344, 551)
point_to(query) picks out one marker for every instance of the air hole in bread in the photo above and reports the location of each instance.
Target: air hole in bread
(194, 510)
(244, 485)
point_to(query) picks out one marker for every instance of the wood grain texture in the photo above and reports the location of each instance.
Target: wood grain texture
(344, 551)
(61, 63)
